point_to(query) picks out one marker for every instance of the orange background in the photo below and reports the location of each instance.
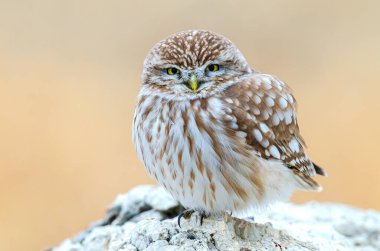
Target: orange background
(69, 75)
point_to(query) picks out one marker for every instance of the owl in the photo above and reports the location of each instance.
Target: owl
(218, 135)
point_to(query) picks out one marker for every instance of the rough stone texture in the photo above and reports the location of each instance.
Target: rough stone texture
(145, 219)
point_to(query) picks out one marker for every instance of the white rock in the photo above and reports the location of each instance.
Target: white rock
(141, 220)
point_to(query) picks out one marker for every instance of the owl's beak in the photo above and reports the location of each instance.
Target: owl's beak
(193, 83)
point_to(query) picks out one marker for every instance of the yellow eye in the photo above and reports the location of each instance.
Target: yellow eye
(172, 71)
(212, 67)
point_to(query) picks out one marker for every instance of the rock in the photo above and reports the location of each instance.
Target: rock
(145, 219)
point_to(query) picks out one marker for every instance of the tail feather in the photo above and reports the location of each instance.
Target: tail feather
(319, 170)
(306, 182)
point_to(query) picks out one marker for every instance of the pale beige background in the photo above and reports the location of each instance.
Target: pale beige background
(69, 75)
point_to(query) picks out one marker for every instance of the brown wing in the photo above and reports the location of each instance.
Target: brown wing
(265, 109)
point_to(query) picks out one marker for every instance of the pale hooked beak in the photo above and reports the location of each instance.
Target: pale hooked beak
(193, 83)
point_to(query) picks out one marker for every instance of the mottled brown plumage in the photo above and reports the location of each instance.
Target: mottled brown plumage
(216, 134)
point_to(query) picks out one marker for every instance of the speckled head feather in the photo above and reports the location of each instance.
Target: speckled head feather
(191, 49)
(194, 48)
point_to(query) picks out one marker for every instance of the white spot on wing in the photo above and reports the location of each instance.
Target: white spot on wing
(292, 163)
(264, 128)
(278, 85)
(266, 83)
(257, 99)
(228, 117)
(282, 102)
(290, 98)
(269, 101)
(234, 125)
(288, 117)
(275, 119)
(274, 152)
(258, 135)
(241, 134)
(228, 100)
(294, 145)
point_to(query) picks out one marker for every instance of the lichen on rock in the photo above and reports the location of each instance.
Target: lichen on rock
(145, 219)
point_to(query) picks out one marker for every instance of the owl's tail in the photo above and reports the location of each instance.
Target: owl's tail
(319, 170)
(306, 182)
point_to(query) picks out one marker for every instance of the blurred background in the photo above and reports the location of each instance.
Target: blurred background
(70, 72)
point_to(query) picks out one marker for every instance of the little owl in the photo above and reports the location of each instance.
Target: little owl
(218, 135)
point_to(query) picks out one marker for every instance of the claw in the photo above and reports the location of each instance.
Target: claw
(185, 214)
(179, 218)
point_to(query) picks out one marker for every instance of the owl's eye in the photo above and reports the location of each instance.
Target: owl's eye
(212, 67)
(172, 71)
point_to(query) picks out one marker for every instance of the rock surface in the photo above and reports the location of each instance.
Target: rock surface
(145, 219)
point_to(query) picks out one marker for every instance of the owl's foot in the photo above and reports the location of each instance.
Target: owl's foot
(187, 214)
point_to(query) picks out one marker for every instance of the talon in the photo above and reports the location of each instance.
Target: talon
(202, 216)
(179, 219)
(185, 214)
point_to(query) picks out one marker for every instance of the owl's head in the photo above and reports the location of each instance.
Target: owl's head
(193, 63)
